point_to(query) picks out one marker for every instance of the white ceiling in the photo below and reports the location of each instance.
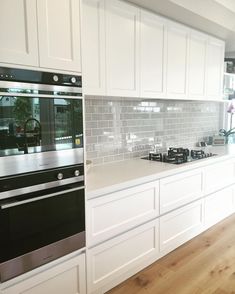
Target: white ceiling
(216, 17)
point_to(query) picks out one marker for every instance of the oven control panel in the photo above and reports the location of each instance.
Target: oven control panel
(61, 175)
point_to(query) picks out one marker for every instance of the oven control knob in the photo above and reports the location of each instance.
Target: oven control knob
(73, 80)
(55, 78)
(76, 173)
(60, 176)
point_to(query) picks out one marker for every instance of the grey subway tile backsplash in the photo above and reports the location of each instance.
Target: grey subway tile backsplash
(120, 129)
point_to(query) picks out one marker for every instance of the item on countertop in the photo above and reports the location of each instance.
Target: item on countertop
(219, 140)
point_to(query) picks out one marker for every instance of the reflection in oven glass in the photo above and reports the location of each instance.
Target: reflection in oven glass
(29, 125)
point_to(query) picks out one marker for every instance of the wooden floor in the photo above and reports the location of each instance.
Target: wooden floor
(204, 265)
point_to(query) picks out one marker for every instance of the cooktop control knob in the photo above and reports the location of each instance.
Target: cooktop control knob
(73, 80)
(60, 176)
(55, 78)
(76, 173)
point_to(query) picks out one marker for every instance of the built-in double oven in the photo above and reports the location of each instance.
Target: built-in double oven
(42, 207)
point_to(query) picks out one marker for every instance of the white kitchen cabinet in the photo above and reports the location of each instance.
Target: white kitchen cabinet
(116, 213)
(59, 34)
(113, 261)
(18, 34)
(181, 225)
(152, 55)
(122, 49)
(218, 175)
(218, 206)
(93, 47)
(180, 189)
(215, 66)
(177, 60)
(197, 65)
(68, 277)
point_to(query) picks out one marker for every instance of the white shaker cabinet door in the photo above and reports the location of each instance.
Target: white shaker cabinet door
(177, 60)
(122, 49)
(93, 47)
(18, 33)
(152, 55)
(59, 34)
(215, 62)
(197, 65)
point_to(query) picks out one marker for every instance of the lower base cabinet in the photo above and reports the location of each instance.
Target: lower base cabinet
(65, 278)
(218, 206)
(181, 225)
(115, 260)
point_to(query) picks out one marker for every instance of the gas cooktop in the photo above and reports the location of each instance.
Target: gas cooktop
(178, 155)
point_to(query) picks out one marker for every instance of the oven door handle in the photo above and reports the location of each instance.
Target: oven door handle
(17, 203)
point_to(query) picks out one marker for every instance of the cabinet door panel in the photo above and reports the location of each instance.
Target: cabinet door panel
(219, 175)
(18, 34)
(122, 48)
(59, 34)
(179, 226)
(152, 55)
(197, 65)
(93, 47)
(180, 189)
(218, 206)
(177, 61)
(215, 61)
(113, 214)
(112, 259)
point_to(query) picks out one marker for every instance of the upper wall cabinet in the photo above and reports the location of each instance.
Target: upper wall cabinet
(177, 60)
(59, 34)
(122, 49)
(93, 47)
(215, 62)
(152, 55)
(197, 65)
(18, 34)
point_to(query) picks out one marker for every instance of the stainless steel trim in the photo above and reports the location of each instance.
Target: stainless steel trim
(17, 203)
(36, 258)
(40, 95)
(25, 190)
(39, 87)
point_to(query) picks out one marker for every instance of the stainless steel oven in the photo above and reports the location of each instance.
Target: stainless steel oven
(42, 207)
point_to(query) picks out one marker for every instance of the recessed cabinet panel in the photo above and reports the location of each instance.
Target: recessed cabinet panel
(180, 189)
(93, 47)
(180, 225)
(177, 61)
(219, 175)
(59, 34)
(122, 48)
(18, 33)
(218, 206)
(115, 258)
(117, 212)
(68, 277)
(197, 65)
(215, 58)
(152, 55)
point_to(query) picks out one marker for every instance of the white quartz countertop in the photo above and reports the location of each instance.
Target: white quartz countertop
(112, 177)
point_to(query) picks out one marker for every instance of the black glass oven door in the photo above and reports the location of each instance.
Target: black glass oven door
(37, 124)
(33, 221)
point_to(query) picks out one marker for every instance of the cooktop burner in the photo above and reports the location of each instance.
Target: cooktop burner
(178, 155)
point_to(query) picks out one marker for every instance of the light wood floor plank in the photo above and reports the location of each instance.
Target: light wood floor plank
(204, 265)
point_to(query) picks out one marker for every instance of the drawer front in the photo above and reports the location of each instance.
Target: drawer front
(112, 259)
(219, 175)
(181, 189)
(115, 213)
(218, 206)
(180, 225)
